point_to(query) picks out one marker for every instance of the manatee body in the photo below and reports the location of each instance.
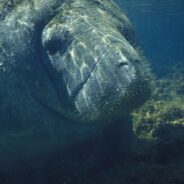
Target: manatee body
(68, 70)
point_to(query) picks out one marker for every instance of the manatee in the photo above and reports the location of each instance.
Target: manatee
(69, 69)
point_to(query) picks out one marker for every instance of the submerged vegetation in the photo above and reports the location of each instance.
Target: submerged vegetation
(163, 115)
(159, 131)
(157, 154)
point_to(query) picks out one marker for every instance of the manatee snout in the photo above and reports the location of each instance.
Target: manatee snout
(95, 66)
(115, 85)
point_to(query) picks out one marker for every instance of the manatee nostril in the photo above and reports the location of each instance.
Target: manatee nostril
(122, 63)
(53, 46)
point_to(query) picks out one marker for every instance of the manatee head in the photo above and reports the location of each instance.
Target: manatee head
(92, 57)
(86, 50)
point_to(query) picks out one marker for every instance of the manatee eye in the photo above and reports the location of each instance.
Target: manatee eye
(53, 46)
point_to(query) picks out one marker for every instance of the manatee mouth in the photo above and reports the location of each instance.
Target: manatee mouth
(80, 87)
(68, 100)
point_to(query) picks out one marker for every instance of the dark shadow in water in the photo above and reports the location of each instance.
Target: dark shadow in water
(80, 163)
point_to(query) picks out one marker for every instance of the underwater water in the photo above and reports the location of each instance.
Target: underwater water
(46, 146)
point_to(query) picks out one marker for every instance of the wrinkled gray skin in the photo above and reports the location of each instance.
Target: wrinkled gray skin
(68, 70)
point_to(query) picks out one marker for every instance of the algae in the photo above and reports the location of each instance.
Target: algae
(164, 111)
